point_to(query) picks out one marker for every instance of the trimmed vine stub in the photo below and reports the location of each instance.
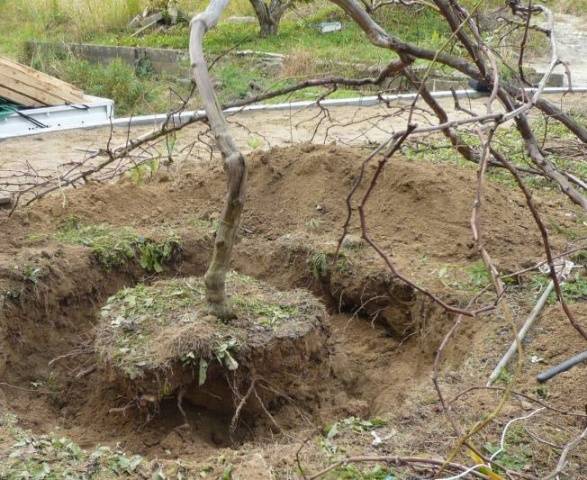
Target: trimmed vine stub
(159, 340)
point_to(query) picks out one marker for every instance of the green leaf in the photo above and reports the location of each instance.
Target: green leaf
(227, 475)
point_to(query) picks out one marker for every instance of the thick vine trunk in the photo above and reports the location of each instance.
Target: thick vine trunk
(234, 164)
(269, 15)
(555, 112)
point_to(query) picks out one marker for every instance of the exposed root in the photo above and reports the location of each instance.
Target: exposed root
(241, 404)
(180, 396)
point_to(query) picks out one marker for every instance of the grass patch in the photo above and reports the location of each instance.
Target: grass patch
(267, 313)
(134, 90)
(139, 91)
(471, 278)
(574, 289)
(351, 472)
(479, 276)
(301, 33)
(142, 92)
(115, 247)
(50, 457)
(508, 141)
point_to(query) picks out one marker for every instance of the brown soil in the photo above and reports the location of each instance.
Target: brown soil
(295, 209)
(159, 341)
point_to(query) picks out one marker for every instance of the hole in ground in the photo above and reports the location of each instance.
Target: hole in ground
(56, 387)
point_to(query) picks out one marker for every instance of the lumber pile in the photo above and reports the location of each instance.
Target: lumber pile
(30, 88)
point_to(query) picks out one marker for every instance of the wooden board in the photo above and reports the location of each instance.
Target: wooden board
(16, 97)
(31, 88)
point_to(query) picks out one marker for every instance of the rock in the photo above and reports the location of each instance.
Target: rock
(329, 27)
(6, 202)
(235, 19)
(352, 242)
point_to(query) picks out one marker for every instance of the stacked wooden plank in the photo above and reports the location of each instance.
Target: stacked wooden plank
(31, 88)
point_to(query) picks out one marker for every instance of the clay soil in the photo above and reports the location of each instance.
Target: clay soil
(376, 376)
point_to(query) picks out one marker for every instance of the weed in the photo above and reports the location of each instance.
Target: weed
(50, 457)
(574, 289)
(313, 224)
(352, 242)
(478, 274)
(355, 424)
(505, 377)
(512, 460)
(134, 322)
(472, 277)
(153, 255)
(254, 143)
(33, 238)
(135, 88)
(32, 274)
(224, 353)
(268, 314)
(227, 474)
(542, 392)
(117, 81)
(569, 233)
(320, 264)
(349, 424)
(143, 172)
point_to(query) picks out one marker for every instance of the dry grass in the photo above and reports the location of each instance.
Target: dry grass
(151, 328)
(91, 16)
(300, 64)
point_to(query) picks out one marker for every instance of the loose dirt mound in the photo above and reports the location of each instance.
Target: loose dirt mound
(159, 339)
(418, 207)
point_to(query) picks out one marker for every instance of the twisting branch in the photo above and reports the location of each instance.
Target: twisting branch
(234, 164)
(546, 243)
(562, 463)
(367, 237)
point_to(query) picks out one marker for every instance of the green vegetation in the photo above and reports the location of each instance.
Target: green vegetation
(516, 456)
(133, 89)
(351, 472)
(32, 274)
(574, 289)
(136, 89)
(115, 247)
(471, 277)
(354, 424)
(505, 377)
(267, 313)
(479, 275)
(508, 142)
(350, 426)
(320, 263)
(48, 457)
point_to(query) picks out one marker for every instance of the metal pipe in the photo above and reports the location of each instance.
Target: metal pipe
(563, 367)
(68, 117)
(339, 102)
(521, 334)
